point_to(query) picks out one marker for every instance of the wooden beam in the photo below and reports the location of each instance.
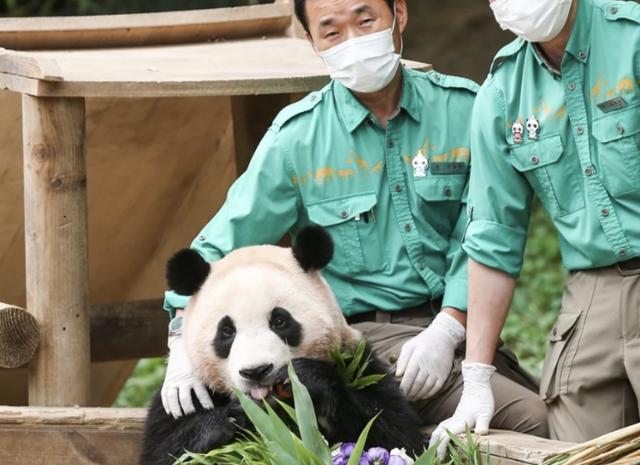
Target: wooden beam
(134, 30)
(510, 448)
(120, 331)
(19, 336)
(56, 248)
(128, 331)
(252, 116)
(73, 436)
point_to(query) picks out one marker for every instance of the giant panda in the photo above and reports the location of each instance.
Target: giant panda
(252, 313)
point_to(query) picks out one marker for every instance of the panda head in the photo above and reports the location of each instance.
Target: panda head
(258, 308)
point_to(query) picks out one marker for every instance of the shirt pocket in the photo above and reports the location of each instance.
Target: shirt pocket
(352, 223)
(618, 145)
(550, 174)
(439, 199)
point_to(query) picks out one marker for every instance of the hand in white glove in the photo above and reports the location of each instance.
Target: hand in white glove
(179, 381)
(476, 406)
(425, 361)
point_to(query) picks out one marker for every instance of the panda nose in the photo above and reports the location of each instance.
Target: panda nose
(257, 373)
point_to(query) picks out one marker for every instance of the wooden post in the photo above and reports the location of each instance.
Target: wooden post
(56, 248)
(19, 336)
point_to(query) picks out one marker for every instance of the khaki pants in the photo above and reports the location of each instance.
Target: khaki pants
(518, 407)
(591, 375)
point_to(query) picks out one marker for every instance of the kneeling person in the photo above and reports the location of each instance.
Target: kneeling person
(380, 158)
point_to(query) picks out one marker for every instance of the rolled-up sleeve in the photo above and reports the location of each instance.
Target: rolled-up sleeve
(499, 196)
(261, 207)
(455, 292)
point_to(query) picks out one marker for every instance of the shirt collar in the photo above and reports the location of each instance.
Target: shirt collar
(353, 112)
(580, 40)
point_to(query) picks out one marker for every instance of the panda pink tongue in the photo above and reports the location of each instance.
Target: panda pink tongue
(259, 392)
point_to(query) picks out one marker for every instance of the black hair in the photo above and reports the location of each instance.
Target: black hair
(301, 12)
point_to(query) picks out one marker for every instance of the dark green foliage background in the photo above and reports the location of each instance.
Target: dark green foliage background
(537, 299)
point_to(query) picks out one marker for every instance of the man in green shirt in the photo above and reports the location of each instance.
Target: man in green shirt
(380, 158)
(559, 118)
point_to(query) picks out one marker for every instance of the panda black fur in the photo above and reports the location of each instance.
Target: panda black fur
(342, 412)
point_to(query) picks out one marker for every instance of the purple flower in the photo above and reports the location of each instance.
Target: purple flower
(378, 456)
(346, 449)
(339, 459)
(396, 460)
(364, 459)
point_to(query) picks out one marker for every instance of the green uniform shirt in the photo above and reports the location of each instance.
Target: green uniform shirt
(585, 163)
(326, 161)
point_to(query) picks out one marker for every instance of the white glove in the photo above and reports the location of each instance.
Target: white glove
(476, 406)
(425, 361)
(179, 382)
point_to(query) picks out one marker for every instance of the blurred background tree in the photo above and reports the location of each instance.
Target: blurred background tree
(459, 38)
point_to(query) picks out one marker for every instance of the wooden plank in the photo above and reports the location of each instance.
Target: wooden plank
(128, 30)
(34, 436)
(245, 67)
(507, 447)
(56, 248)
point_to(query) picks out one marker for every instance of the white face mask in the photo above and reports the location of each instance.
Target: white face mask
(533, 20)
(364, 64)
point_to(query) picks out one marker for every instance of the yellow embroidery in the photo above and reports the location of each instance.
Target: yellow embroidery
(324, 174)
(561, 112)
(407, 159)
(625, 85)
(596, 90)
(460, 154)
(346, 173)
(610, 93)
(377, 167)
(439, 158)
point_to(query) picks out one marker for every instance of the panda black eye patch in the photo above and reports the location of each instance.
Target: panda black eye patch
(225, 335)
(285, 326)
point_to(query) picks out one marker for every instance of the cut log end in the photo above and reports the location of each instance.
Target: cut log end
(19, 336)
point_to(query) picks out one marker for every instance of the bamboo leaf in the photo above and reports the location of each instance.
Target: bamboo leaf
(307, 422)
(362, 440)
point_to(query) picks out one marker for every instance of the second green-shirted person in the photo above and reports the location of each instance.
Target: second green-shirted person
(390, 188)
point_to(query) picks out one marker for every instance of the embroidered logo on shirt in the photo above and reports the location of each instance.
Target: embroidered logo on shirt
(449, 168)
(420, 165)
(533, 128)
(517, 129)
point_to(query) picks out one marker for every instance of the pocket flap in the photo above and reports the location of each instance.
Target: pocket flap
(441, 188)
(335, 211)
(536, 154)
(563, 327)
(618, 125)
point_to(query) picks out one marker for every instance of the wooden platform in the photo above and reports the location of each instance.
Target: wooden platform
(82, 436)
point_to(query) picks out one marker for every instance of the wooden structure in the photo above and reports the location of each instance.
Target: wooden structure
(133, 128)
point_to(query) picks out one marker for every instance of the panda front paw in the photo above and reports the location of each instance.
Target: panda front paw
(218, 427)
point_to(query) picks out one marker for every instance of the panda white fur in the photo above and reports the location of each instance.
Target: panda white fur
(252, 313)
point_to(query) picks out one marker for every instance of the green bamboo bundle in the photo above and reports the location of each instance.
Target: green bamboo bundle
(621, 447)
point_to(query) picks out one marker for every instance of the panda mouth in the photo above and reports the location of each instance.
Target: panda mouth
(281, 390)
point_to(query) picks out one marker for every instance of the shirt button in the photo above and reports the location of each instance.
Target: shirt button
(622, 252)
(344, 215)
(202, 238)
(398, 188)
(582, 55)
(313, 98)
(421, 266)
(535, 160)
(588, 172)
(447, 191)
(620, 128)
(605, 212)
(571, 86)
(580, 131)
(613, 10)
(390, 143)
(407, 227)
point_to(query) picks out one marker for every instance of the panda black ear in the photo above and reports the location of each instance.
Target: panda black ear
(187, 271)
(313, 248)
